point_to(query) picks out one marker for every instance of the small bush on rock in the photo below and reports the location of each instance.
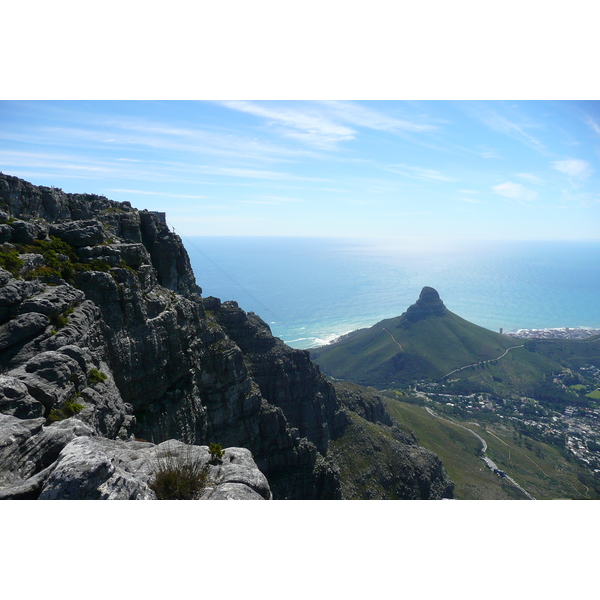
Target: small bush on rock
(96, 376)
(216, 452)
(69, 409)
(61, 320)
(179, 478)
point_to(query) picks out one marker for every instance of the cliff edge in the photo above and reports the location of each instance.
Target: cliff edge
(108, 350)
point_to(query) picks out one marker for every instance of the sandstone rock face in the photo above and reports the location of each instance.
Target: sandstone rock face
(125, 348)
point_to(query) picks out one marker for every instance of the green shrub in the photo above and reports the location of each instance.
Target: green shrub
(10, 261)
(95, 376)
(96, 264)
(179, 477)
(69, 409)
(54, 252)
(61, 320)
(50, 248)
(216, 452)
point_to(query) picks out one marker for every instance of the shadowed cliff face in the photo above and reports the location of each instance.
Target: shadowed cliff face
(136, 314)
(89, 286)
(428, 305)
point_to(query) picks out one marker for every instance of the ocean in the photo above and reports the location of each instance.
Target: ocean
(312, 290)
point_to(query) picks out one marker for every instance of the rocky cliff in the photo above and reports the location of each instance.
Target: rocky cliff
(108, 350)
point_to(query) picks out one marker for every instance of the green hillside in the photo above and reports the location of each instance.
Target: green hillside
(542, 469)
(426, 342)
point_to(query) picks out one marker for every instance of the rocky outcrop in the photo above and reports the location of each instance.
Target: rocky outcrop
(387, 463)
(365, 402)
(69, 463)
(106, 340)
(429, 304)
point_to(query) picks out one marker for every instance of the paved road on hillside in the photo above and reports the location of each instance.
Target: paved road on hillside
(483, 362)
(484, 447)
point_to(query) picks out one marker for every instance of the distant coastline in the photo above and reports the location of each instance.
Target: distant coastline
(565, 333)
(311, 291)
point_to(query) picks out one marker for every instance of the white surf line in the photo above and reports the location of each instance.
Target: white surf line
(490, 464)
(483, 362)
(394, 339)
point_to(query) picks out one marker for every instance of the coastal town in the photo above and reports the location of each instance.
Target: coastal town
(565, 333)
(573, 426)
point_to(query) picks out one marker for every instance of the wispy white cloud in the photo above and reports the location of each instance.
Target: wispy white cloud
(328, 123)
(271, 200)
(254, 173)
(308, 125)
(68, 165)
(515, 126)
(579, 169)
(485, 152)
(472, 200)
(419, 173)
(531, 178)
(364, 116)
(345, 201)
(127, 135)
(515, 191)
(593, 124)
(165, 194)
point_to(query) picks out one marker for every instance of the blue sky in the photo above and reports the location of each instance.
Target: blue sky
(412, 169)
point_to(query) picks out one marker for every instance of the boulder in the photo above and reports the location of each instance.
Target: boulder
(31, 262)
(28, 446)
(15, 400)
(79, 233)
(54, 300)
(21, 328)
(134, 255)
(99, 468)
(14, 291)
(48, 377)
(26, 232)
(5, 233)
(14, 435)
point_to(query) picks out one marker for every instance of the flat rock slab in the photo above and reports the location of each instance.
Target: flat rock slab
(96, 468)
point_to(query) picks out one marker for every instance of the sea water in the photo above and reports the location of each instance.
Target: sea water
(312, 290)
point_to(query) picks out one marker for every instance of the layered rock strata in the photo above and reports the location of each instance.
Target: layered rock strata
(105, 339)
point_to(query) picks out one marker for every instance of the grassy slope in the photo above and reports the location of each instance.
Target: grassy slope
(429, 348)
(539, 468)
(574, 352)
(459, 452)
(519, 372)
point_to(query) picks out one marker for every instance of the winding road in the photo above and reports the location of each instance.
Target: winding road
(494, 468)
(483, 362)
(394, 340)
